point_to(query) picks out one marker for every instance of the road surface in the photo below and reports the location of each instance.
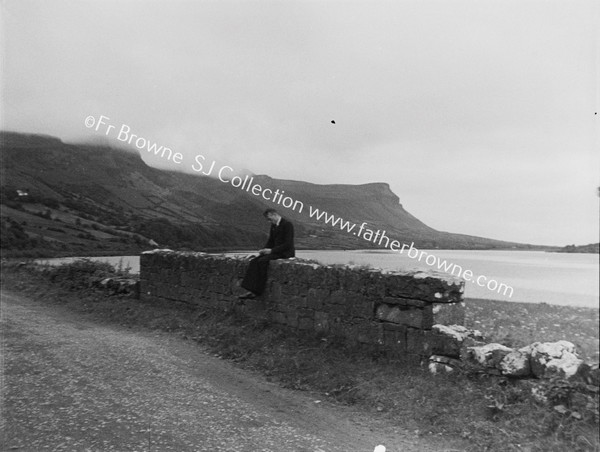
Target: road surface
(70, 384)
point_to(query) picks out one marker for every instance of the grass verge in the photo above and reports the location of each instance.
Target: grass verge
(491, 413)
(518, 324)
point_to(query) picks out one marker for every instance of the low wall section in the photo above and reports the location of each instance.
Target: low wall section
(392, 311)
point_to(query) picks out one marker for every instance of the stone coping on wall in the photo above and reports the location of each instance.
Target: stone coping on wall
(430, 285)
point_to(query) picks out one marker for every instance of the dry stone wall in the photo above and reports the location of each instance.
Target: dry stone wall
(392, 311)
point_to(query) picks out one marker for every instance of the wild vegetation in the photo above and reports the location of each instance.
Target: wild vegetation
(489, 413)
(46, 227)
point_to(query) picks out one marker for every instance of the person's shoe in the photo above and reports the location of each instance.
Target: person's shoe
(247, 296)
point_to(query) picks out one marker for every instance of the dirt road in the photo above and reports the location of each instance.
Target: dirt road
(73, 385)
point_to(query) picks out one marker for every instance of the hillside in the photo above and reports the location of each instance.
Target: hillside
(592, 248)
(64, 198)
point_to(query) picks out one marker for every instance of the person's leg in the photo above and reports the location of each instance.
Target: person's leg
(256, 274)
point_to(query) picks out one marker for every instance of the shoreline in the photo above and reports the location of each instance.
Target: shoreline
(584, 301)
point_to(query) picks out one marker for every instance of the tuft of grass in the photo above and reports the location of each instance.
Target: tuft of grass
(490, 413)
(83, 273)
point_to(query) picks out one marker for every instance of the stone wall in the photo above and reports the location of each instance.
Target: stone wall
(392, 311)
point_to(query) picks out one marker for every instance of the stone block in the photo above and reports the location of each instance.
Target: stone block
(306, 324)
(553, 358)
(278, 317)
(401, 315)
(444, 344)
(289, 290)
(405, 302)
(292, 319)
(290, 310)
(489, 355)
(296, 301)
(337, 310)
(375, 285)
(369, 333)
(275, 292)
(317, 278)
(442, 364)
(394, 336)
(412, 317)
(443, 314)
(313, 300)
(382, 311)
(361, 307)
(321, 322)
(515, 364)
(352, 281)
(418, 341)
(324, 277)
(343, 330)
(337, 297)
(424, 285)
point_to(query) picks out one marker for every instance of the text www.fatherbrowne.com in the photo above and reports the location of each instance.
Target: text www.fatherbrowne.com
(380, 238)
(226, 174)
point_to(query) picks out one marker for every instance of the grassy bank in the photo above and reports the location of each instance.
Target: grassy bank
(518, 324)
(490, 413)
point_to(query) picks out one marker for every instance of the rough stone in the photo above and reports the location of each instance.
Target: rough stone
(442, 364)
(402, 316)
(553, 358)
(382, 311)
(395, 336)
(321, 322)
(418, 341)
(370, 333)
(489, 355)
(432, 286)
(405, 302)
(516, 364)
(443, 314)
(459, 332)
(442, 343)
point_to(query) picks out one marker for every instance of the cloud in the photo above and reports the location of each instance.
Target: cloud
(453, 103)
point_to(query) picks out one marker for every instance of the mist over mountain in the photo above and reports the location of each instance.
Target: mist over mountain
(94, 198)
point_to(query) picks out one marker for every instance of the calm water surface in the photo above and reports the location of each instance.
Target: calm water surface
(535, 276)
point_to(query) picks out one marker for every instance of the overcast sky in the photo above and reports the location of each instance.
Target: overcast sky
(479, 114)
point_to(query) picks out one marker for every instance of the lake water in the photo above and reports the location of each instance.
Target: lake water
(535, 276)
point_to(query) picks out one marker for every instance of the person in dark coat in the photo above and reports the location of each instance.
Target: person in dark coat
(279, 246)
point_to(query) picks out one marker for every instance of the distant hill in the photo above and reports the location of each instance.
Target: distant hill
(89, 198)
(593, 248)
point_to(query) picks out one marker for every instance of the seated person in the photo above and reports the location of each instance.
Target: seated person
(279, 246)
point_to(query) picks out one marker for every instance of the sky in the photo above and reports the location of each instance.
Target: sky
(480, 115)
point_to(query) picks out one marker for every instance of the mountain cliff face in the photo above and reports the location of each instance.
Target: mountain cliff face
(68, 197)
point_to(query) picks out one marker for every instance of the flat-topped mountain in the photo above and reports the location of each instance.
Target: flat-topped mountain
(75, 197)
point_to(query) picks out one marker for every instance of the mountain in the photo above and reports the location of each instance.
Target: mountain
(65, 198)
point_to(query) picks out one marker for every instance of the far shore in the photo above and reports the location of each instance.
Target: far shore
(49, 254)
